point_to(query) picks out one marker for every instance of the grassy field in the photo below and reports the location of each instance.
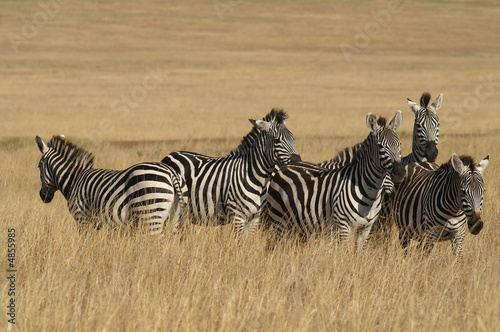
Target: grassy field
(134, 81)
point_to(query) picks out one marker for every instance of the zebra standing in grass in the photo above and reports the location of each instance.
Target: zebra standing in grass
(233, 188)
(435, 202)
(146, 193)
(306, 198)
(424, 146)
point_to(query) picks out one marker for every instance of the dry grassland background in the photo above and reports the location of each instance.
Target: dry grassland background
(218, 63)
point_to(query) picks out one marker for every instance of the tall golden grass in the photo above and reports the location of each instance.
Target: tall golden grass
(113, 280)
(219, 72)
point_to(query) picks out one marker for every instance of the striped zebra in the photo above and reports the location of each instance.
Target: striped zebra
(233, 188)
(435, 202)
(425, 129)
(305, 198)
(425, 136)
(424, 146)
(144, 194)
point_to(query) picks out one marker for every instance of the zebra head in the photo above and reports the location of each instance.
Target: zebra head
(388, 154)
(60, 159)
(278, 140)
(49, 186)
(471, 188)
(426, 127)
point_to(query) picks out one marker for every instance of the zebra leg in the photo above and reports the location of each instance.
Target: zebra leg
(404, 239)
(241, 226)
(85, 224)
(427, 244)
(363, 234)
(250, 227)
(456, 243)
(179, 217)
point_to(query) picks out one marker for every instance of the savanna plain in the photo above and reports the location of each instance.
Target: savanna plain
(132, 81)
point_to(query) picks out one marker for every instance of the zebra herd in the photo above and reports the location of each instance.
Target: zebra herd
(264, 182)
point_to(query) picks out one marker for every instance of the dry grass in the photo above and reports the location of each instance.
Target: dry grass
(220, 72)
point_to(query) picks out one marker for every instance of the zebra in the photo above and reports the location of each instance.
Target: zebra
(435, 202)
(425, 129)
(424, 147)
(425, 136)
(233, 188)
(305, 198)
(145, 193)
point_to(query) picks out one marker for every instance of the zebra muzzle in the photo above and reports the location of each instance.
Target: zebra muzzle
(398, 172)
(46, 196)
(475, 223)
(431, 151)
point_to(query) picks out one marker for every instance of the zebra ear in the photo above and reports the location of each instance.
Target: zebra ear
(41, 144)
(371, 122)
(413, 106)
(62, 137)
(396, 121)
(482, 164)
(261, 124)
(436, 104)
(457, 163)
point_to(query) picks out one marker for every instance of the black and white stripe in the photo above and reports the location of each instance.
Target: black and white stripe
(424, 145)
(233, 188)
(144, 194)
(434, 203)
(425, 136)
(425, 129)
(305, 198)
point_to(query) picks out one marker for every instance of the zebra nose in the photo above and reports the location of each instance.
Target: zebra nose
(475, 223)
(295, 158)
(46, 196)
(398, 172)
(431, 151)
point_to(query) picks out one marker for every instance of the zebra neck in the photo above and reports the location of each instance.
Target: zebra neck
(373, 174)
(261, 167)
(417, 152)
(448, 195)
(66, 178)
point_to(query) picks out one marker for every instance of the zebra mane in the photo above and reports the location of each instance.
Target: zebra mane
(345, 156)
(382, 121)
(71, 153)
(277, 116)
(425, 99)
(467, 160)
(364, 145)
